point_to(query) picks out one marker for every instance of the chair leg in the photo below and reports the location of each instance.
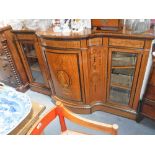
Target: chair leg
(61, 117)
(62, 123)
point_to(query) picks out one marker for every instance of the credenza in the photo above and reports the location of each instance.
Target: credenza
(87, 71)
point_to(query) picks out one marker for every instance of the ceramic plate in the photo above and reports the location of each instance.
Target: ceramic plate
(14, 108)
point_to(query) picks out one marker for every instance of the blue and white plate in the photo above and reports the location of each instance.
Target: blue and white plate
(14, 108)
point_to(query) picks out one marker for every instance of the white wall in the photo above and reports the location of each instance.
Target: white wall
(147, 73)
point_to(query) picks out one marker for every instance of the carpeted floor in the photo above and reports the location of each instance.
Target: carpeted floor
(126, 126)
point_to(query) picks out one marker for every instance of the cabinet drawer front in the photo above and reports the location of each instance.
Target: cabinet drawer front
(126, 43)
(64, 70)
(61, 44)
(94, 41)
(27, 37)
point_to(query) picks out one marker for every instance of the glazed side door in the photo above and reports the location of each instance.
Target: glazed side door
(33, 62)
(123, 70)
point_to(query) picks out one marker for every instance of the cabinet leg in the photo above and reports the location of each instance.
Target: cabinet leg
(139, 118)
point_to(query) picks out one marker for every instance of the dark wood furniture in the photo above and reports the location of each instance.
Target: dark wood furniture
(93, 71)
(87, 71)
(107, 24)
(148, 106)
(32, 58)
(12, 71)
(63, 113)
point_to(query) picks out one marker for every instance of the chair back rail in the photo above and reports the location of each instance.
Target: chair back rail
(111, 129)
(63, 113)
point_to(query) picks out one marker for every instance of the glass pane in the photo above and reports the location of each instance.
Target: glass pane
(119, 95)
(122, 76)
(29, 50)
(30, 53)
(123, 59)
(37, 77)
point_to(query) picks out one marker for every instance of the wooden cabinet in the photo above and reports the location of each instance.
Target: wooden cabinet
(97, 72)
(32, 57)
(12, 71)
(87, 71)
(65, 69)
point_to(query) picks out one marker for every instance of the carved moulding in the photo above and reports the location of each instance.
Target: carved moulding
(11, 63)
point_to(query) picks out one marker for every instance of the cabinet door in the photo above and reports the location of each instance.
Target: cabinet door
(123, 72)
(97, 66)
(65, 69)
(33, 63)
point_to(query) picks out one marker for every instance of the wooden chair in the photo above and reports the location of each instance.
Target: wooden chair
(62, 113)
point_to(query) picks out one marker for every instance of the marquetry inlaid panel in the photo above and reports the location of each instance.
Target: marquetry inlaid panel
(64, 69)
(97, 67)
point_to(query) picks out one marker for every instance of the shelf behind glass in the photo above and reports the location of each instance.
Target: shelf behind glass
(36, 72)
(32, 60)
(119, 95)
(35, 67)
(122, 74)
(123, 77)
(123, 59)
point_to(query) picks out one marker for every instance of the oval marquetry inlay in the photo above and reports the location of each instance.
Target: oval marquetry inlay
(64, 79)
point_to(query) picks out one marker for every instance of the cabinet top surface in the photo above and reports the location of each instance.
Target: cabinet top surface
(88, 33)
